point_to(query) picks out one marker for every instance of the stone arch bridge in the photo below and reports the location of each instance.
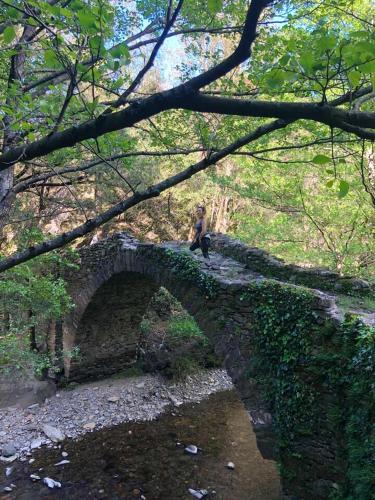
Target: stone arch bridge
(117, 278)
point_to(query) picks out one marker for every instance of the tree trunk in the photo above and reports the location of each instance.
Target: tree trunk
(33, 344)
(11, 138)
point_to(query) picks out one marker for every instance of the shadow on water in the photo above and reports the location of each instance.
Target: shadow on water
(136, 459)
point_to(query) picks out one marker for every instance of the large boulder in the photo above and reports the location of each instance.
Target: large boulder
(23, 390)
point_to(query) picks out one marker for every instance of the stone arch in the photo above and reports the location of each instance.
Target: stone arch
(115, 283)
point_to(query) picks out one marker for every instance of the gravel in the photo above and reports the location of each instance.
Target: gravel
(103, 404)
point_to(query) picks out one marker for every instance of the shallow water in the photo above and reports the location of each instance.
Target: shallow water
(144, 458)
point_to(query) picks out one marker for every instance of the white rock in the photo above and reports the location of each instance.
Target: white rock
(34, 477)
(8, 488)
(175, 401)
(8, 471)
(63, 462)
(55, 435)
(198, 493)
(90, 426)
(191, 449)
(51, 483)
(230, 465)
(31, 461)
(36, 443)
(8, 450)
(113, 399)
(64, 454)
(8, 460)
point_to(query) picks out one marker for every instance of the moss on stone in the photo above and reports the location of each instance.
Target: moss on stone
(298, 361)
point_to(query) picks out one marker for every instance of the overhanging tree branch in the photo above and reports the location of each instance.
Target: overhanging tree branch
(352, 121)
(183, 97)
(138, 197)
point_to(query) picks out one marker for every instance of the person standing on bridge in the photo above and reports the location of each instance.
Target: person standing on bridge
(202, 238)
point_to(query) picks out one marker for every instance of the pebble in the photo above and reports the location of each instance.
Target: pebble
(8, 471)
(34, 477)
(8, 450)
(113, 399)
(63, 462)
(53, 433)
(51, 483)
(230, 465)
(198, 493)
(36, 443)
(192, 449)
(64, 454)
(89, 426)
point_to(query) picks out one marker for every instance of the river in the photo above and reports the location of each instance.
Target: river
(147, 460)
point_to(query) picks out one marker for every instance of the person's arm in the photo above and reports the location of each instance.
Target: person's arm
(204, 229)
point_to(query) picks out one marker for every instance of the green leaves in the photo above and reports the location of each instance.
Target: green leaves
(214, 6)
(9, 34)
(87, 20)
(343, 188)
(321, 159)
(354, 77)
(51, 59)
(120, 51)
(307, 61)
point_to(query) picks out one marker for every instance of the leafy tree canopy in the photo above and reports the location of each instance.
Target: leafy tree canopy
(105, 105)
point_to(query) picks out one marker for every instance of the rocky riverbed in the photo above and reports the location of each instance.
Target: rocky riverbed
(192, 451)
(94, 406)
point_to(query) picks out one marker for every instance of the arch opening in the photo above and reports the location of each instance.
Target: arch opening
(132, 321)
(107, 334)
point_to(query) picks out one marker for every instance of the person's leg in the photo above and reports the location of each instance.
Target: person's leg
(194, 245)
(205, 244)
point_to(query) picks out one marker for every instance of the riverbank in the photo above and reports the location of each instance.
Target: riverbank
(98, 405)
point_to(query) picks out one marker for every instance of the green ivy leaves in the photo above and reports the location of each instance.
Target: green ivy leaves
(189, 269)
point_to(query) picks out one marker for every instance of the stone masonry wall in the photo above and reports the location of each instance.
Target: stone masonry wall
(268, 265)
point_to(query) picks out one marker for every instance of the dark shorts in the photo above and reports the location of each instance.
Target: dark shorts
(204, 245)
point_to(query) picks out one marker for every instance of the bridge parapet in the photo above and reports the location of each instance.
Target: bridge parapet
(268, 265)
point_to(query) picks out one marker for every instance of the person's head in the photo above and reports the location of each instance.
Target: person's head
(201, 210)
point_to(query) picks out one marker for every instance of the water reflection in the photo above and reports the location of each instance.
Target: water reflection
(144, 458)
